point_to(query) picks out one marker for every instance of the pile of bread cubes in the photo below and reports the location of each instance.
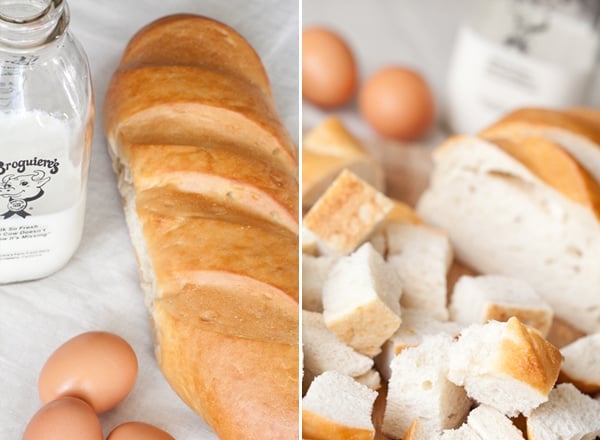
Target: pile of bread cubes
(439, 321)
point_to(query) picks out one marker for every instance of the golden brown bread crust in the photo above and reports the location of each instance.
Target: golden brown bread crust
(557, 168)
(209, 178)
(264, 252)
(192, 40)
(516, 124)
(187, 180)
(253, 366)
(224, 103)
(529, 358)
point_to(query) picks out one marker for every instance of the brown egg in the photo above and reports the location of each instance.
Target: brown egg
(98, 367)
(67, 418)
(329, 73)
(398, 103)
(138, 431)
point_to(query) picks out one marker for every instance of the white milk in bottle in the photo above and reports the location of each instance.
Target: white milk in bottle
(45, 124)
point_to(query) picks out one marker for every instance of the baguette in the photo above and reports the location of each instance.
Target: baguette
(208, 176)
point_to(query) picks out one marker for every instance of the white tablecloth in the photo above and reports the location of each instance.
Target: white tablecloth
(99, 289)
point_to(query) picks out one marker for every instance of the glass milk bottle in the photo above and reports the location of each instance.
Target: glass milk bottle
(517, 53)
(46, 117)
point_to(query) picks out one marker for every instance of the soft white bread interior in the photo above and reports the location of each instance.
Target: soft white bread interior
(323, 351)
(416, 324)
(328, 149)
(478, 299)
(371, 379)
(567, 414)
(464, 432)
(573, 130)
(581, 365)
(505, 365)
(419, 388)
(361, 300)
(337, 407)
(502, 218)
(489, 423)
(347, 214)
(208, 176)
(421, 256)
(315, 270)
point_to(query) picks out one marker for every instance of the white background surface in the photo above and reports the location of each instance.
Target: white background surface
(98, 289)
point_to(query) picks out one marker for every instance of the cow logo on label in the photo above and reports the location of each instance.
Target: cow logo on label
(20, 190)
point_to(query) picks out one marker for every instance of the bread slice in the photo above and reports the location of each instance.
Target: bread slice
(416, 324)
(361, 300)
(346, 214)
(581, 364)
(263, 251)
(503, 219)
(314, 273)
(478, 299)
(328, 149)
(218, 177)
(505, 365)
(323, 351)
(573, 133)
(337, 407)
(567, 414)
(193, 103)
(421, 256)
(418, 388)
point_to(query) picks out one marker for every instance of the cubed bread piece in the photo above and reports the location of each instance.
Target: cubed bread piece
(323, 351)
(416, 324)
(418, 388)
(568, 414)
(421, 255)
(347, 214)
(464, 432)
(371, 378)
(361, 300)
(314, 273)
(582, 363)
(478, 299)
(337, 407)
(403, 213)
(490, 423)
(505, 365)
(328, 149)
(309, 242)
(378, 241)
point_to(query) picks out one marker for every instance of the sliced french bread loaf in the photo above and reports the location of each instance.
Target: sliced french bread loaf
(502, 218)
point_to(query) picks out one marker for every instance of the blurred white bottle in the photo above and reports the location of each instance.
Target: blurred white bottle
(516, 53)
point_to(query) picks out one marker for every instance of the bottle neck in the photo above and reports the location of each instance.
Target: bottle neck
(30, 24)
